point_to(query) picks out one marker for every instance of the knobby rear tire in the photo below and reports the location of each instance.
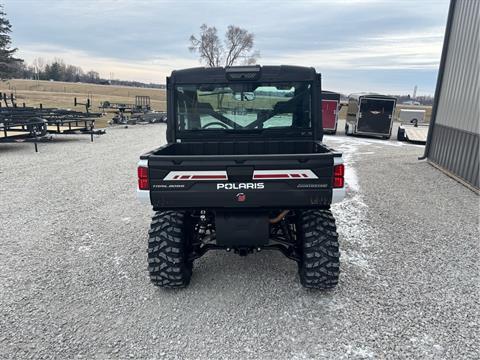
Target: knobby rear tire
(168, 250)
(319, 267)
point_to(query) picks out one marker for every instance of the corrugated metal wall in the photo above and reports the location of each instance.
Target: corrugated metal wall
(454, 143)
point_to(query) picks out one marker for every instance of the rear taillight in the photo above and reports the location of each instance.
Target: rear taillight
(338, 176)
(143, 183)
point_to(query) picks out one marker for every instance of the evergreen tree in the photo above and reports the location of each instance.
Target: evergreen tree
(8, 63)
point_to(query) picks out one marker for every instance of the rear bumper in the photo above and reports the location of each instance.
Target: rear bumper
(241, 199)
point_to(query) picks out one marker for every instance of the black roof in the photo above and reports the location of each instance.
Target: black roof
(267, 74)
(330, 95)
(370, 95)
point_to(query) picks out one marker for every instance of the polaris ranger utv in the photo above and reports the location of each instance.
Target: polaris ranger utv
(244, 170)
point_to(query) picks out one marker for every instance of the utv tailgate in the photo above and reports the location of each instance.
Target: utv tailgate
(242, 181)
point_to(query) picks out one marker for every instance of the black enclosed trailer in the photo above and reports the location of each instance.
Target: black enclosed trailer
(330, 109)
(370, 115)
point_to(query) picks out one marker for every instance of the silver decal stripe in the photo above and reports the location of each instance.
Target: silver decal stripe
(284, 174)
(196, 175)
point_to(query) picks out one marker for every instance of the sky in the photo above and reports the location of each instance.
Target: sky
(383, 46)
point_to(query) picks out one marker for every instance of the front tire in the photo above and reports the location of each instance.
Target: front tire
(168, 250)
(319, 267)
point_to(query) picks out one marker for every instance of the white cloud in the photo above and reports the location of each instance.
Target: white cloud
(388, 51)
(154, 70)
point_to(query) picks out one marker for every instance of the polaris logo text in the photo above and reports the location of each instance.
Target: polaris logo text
(240, 186)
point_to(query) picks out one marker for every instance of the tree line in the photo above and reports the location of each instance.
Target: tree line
(55, 70)
(58, 70)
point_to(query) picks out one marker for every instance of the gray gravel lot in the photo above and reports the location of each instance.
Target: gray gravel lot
(73, 279)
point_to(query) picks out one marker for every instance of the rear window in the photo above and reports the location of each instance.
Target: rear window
(243, 106)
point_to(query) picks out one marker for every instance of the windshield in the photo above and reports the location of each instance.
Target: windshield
(243, 106)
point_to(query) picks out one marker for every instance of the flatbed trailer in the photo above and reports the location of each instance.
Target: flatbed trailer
(58, 121)
(73, 126)
(413, 127)
(142, 104)
(32, 130)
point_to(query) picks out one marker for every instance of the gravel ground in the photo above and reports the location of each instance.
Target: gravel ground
(73, 280)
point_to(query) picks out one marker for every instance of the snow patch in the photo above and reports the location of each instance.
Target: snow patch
(363, 141)
(84, 248)
(356, 234)
(356, 258)
(359, 353)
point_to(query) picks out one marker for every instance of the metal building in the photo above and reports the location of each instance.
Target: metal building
(453, 136)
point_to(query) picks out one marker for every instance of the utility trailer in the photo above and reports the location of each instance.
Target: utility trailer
(330, 109)
(142, 104)
(244, 170)
(140, 111)
(370, 115)
(150, 117)
(15, 131)
(413, 127)
(73, 126)
(58, 121)
(69, 122)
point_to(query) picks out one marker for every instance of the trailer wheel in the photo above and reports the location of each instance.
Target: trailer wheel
(168, 250)
(319, 266)
(38, 126)
(401, 134)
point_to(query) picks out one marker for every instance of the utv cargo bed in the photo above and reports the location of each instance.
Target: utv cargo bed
(189, 175)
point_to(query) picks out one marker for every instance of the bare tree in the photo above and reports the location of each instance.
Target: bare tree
(39, 63)
(236, 47)
(208, 45)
